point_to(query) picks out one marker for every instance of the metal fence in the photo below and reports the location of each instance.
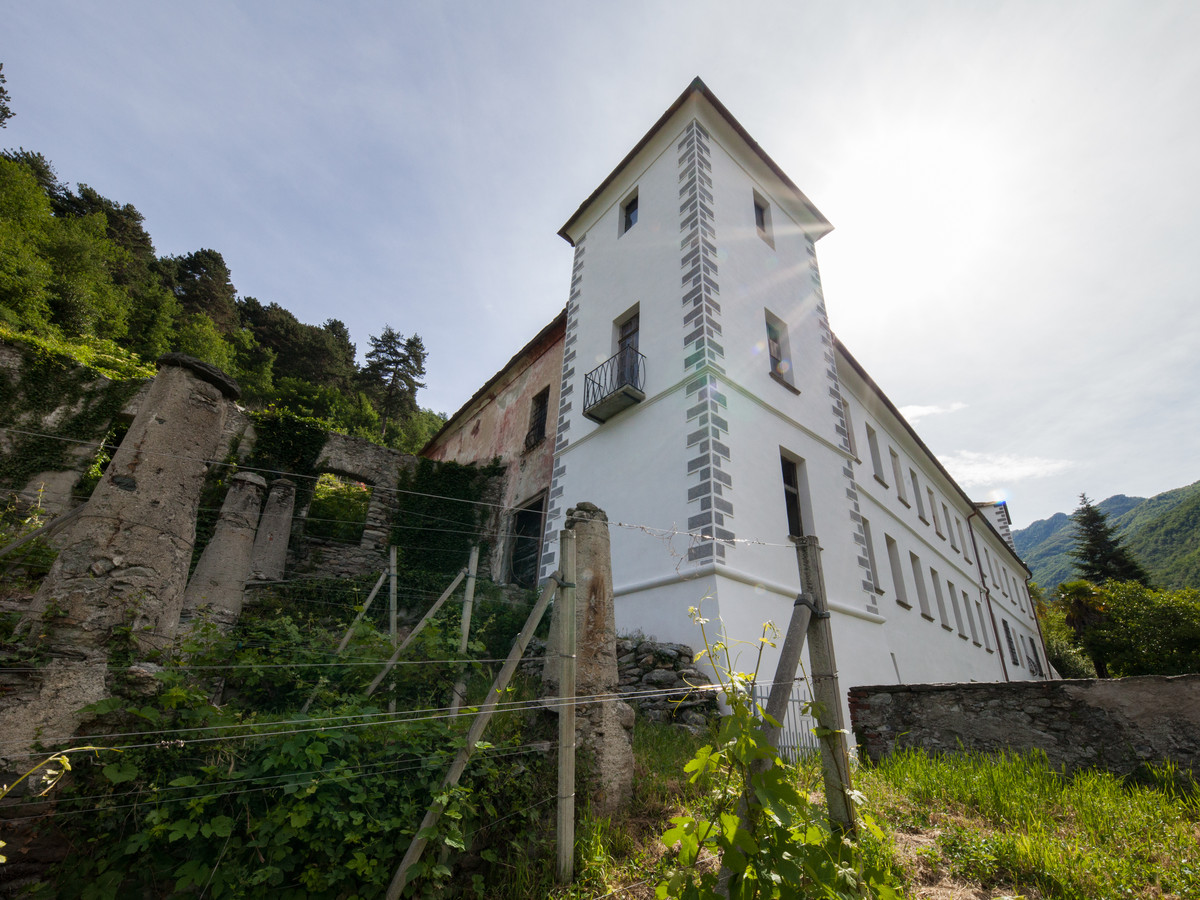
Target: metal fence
(796, 738)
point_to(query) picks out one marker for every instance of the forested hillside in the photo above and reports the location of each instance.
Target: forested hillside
(76, 265)
(1163, 532)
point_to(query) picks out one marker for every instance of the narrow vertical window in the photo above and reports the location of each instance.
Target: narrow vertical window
(791, 497)
(937, 526)
(629, 212)
(916, 486)
(778, 349)
(946, 519)
(919, 578)
(1012, 645)
(627, 332)
(893, 553)
(762, 219)
(898, 477)
(951, 528)
(538, 411)
(849, 428)
(971, 619)
(962, 539)
(871, 557)
(987, 641)
(876, 460)
(957, 610)
(941, 600)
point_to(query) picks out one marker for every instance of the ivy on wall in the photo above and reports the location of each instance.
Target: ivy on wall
(59, 394)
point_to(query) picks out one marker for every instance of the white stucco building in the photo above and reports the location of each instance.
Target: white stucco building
(703, 391)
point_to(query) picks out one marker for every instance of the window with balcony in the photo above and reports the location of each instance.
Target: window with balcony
(619, 381)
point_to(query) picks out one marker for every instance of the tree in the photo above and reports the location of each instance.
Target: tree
(393, 373)
(201, 282)
(1084, 609)
(1099, 553)
(1147, 632)
(5, 112)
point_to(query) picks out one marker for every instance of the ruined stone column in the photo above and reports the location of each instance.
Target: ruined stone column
(219, 581)
(125, 561)
(604, 724)
(271, 542)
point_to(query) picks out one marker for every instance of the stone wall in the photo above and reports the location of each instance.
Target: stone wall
(1116, 724)
(645, 668)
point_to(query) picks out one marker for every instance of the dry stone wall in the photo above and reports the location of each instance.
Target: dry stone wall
(1116, 724)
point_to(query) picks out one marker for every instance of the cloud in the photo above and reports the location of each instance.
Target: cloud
(914, 414)
(975, 469)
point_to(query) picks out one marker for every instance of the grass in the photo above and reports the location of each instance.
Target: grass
(1014, 821)
(967, 825)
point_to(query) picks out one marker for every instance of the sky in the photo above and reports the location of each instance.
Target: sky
(1014, 187)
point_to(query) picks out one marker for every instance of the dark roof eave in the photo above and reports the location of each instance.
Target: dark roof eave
(559, 321)
(697, 86)
(891, 407)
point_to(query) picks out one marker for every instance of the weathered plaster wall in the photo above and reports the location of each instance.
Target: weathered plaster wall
(496, 421)
(1116, 724)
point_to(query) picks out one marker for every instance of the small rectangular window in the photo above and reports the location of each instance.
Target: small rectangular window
(951, 528)
(898, 476)
(987, 641)
(762, 219)
(629, 212)
(893, 553)
(876, 460)
(937, 526)
(946, 519)
(850, 430)
(916, 486)
(919, 578)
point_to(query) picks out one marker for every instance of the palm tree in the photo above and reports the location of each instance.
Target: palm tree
(1083, 604)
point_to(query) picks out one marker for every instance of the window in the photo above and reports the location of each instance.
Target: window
(958, 619)
(971, 619)
(893, 553)
(876, 461)
(941, 600)
(850, 429)
(1035, 662)
(896, 474)
(626, 331)
(946, 519)
(1012, 646)
(962, 539)
(919, 578)
(778, 349)
(937, 526)
(629, 212)
(917, 496)
(762, 219)
(538, 410)
(791, 496)
(987, 641)
(871, 557)
(526, 548)
(957, 527)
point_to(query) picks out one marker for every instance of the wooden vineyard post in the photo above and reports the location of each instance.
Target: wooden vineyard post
(387, 667)
(349, 634)
(831, 727)
(460, 686)
(566, 641)
(486, 710)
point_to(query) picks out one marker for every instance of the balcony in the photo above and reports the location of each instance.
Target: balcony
(615, 384)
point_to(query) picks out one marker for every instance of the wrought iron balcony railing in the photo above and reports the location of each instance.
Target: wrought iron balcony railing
(615, 384)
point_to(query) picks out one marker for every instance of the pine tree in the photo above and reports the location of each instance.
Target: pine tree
(393, 374)
(1099, 553)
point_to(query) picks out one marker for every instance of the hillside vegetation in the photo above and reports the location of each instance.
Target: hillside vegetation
(1163, 532)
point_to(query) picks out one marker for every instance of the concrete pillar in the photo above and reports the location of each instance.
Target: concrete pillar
(271, 542)
(219, 580)
(604, 723)
(125, 559)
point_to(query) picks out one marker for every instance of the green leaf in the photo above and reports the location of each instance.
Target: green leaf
(120, 772)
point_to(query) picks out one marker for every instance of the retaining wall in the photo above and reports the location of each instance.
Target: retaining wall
(1116, 724)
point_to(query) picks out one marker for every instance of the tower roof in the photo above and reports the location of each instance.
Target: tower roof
(699, 88)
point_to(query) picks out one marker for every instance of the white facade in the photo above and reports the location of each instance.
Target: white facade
(702, 237)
